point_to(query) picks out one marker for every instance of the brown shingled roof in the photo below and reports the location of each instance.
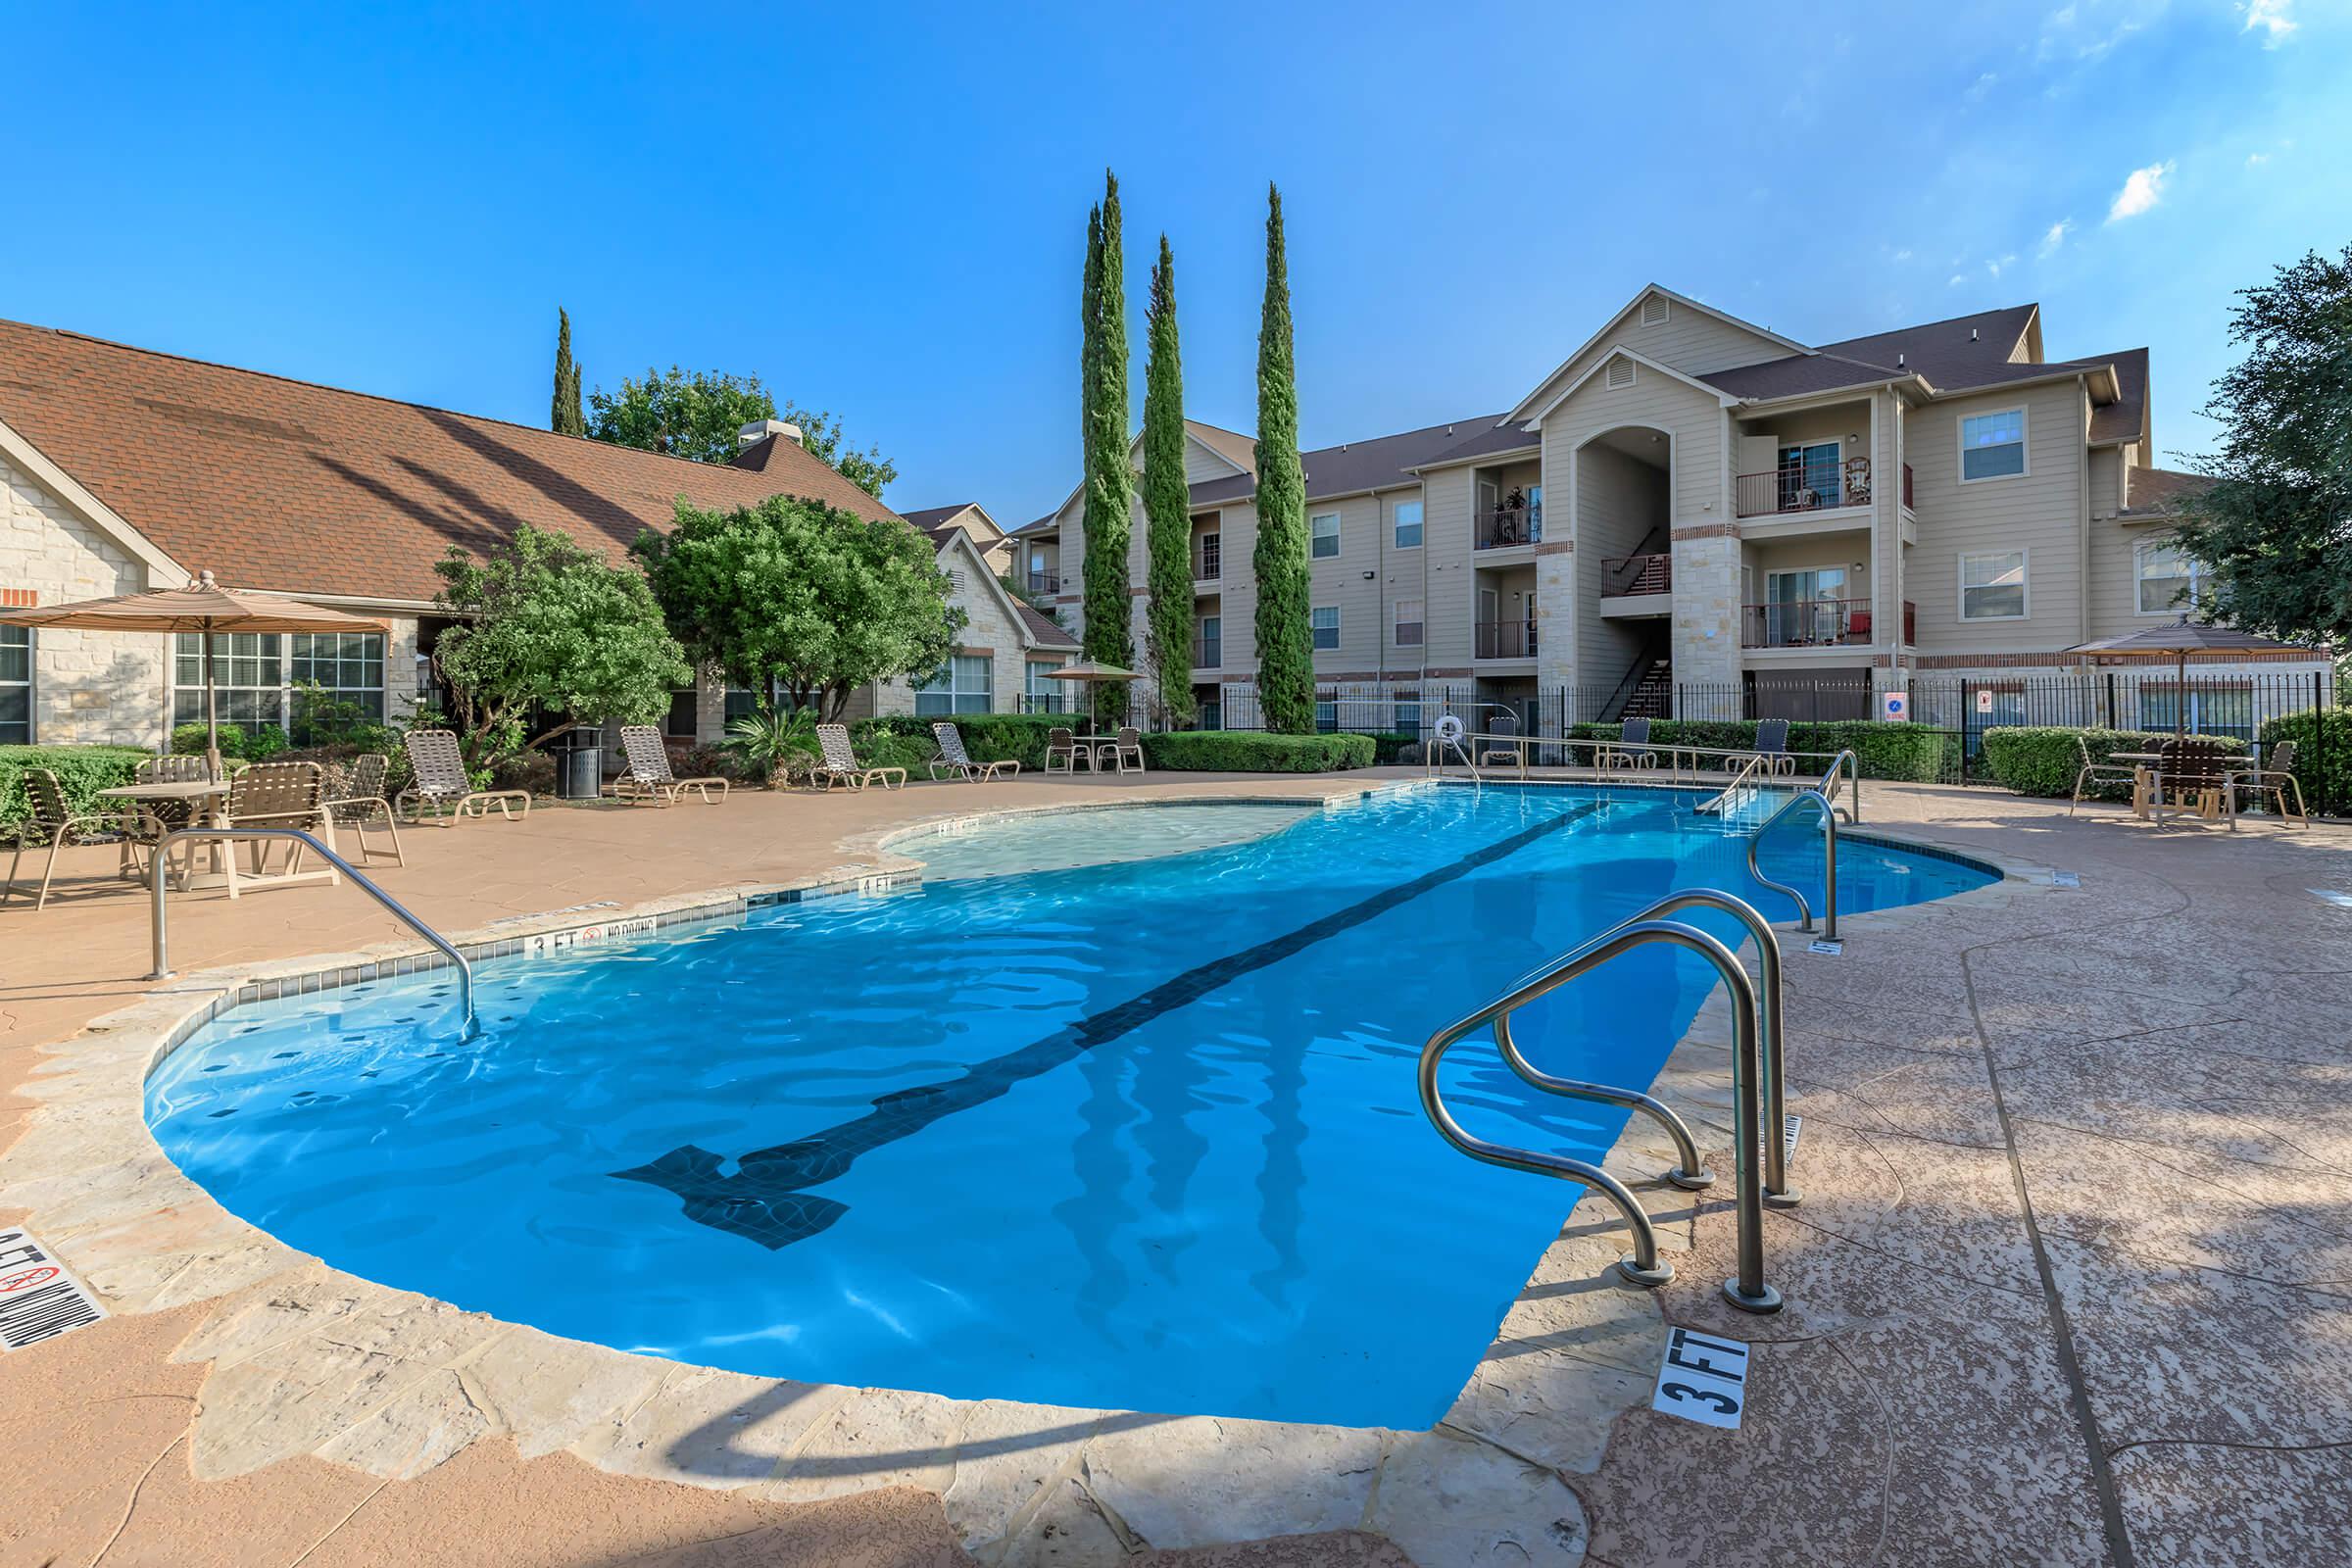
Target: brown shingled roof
(1048, 631)
(2151, 492)
(282, 485)
(1359, 465)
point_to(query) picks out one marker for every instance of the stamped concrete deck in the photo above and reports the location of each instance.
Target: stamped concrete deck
(2065, 1285)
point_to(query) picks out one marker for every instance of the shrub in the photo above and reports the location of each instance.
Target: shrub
(988, 737)
(2322, 755)
(1214, 751)
(1906, 752)
(1389, 747)
(81, 772)
(187, 740)
(524, 771)
(2044, 759)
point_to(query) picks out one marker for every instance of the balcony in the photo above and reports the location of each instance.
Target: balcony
(1208, 559)
(1506, 527)
(1507, 639)
(1208, 653)
(1045, 582)
(1807, 623)
(1813, 488)
(1623, 575)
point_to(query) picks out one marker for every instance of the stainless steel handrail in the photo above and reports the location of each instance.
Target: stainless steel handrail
(1721, 798)
(1852, 764)
(198, 835)
(1691, 1176)
(1829, 826)
(1747, 1290)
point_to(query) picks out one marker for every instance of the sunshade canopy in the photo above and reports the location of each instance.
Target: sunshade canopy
(1089, 670)
(2184, 637)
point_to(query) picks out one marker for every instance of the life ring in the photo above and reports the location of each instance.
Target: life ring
(1450, 730)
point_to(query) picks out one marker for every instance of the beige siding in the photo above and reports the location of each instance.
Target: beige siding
(1690, 341)
(1200, 464)
(2038, 511)
(2114, 577)
(1619, 501)
(1444, 566)
(2106, 482)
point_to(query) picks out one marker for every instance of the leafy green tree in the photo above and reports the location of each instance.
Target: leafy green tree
(564, 416)
(797, 593)
(686, 414)
(1286, 638)
(2275, 526)
(546, 633)
(820, 433)
(1167, 501)
(1109, 632)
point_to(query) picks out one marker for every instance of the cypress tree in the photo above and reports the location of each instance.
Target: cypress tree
(1286, 639)
(1110, 634)
(1167, 499)
(566, 416)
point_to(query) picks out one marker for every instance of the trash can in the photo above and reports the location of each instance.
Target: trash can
(580, 773)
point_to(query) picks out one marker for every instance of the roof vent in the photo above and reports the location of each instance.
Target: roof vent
(1654, 310)
(1972, 334)
(1898, 362)
(759, 430)
(1621, 372)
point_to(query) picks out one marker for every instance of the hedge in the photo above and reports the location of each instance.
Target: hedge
(2045, 758)
(1907, 752)
(81, 770)
(2320, 791)
(1218, 751)
(987, 738)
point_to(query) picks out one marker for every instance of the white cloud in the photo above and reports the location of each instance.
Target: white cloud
(1956, 281)
(1902, 256)
(1980, 86)
(2054, 236)
(2270, 18)
(2142, 189)
(2257, 160)
(2087, 29)
(1993, 267)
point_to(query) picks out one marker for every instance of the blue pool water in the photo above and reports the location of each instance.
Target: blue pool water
(1142, 1135)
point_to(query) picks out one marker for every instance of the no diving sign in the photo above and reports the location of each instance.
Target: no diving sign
(1702, 1379)
(38, 1299)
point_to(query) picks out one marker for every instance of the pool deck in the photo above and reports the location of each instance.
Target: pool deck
(2068, 1283)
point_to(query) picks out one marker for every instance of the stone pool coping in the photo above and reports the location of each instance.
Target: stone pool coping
(309, 1360)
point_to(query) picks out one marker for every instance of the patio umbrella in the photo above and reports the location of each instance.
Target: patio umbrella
(2177, 642)
(203, 607)
(1094, 674)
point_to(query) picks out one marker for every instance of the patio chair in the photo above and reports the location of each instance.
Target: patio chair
(2189, 771)
(1061, 746)
(358, 799)
(291, 795)
(2095, 775)
(954, 758)
(838, 761)
(442, 781)
(1772, 745)
(1503, 726)
(646, 773)
(146, 822)
(2273, 781)
(1623, 752)
(53, 820)
(1128, 746)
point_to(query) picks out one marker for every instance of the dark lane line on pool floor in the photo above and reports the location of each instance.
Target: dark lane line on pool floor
(766, 1199)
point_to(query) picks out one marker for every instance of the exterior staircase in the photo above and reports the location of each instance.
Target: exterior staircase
(1653, 695)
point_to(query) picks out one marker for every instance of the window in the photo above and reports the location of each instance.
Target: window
(1326, 530)
(1621, 372)
(1992, 446)
(685, 714)
(1408, 524)
(1045, 694)
(249, 673)
(15, 686)
(2215, 707)
(1209, 560)
(1327, 714)
(1992, 586)
(1405, 715)
(1408, 622)
(1327, 627)
(348, 667)
(1809, 474)
(741, 702)
(2169, 581)
(1208, 646)
(963, 687)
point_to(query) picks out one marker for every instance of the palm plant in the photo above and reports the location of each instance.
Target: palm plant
(775, 744)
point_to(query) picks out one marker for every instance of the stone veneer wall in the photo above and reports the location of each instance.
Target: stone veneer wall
(1706, 605)
(987, 624)
(88, 687)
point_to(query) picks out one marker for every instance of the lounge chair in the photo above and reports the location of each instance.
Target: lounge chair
(1503, 726)
(1772, 745)
(647, 775)
(2273, 781)
(358, 791)
(838, 762)
(1061, 746)
(442, 781)
(53, 820)
(1629, 750)
(954, 758)
(2097, 774)
(1129, 745)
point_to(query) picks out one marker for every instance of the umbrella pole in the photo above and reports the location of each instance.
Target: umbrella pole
(211, 711)
(2180, 699)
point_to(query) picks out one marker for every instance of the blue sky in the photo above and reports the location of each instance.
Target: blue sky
(880, 209)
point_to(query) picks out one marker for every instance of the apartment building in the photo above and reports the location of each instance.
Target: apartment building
(1693, 513)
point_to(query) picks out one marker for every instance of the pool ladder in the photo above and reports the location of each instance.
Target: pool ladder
(1758, 1088)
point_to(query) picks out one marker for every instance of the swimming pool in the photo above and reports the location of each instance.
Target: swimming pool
(1141, 1135)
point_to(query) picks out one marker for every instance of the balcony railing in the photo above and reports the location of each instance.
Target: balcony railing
(1208, 563)
(1638, 575)
(1208, 653)
(1507, 639)
(1811, 489)
(1505, 526)
(1045, 582)
(1807, 623)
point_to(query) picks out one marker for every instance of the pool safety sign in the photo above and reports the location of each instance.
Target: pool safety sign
(38, 1299)
(1895, 704)
(1702, 1379)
